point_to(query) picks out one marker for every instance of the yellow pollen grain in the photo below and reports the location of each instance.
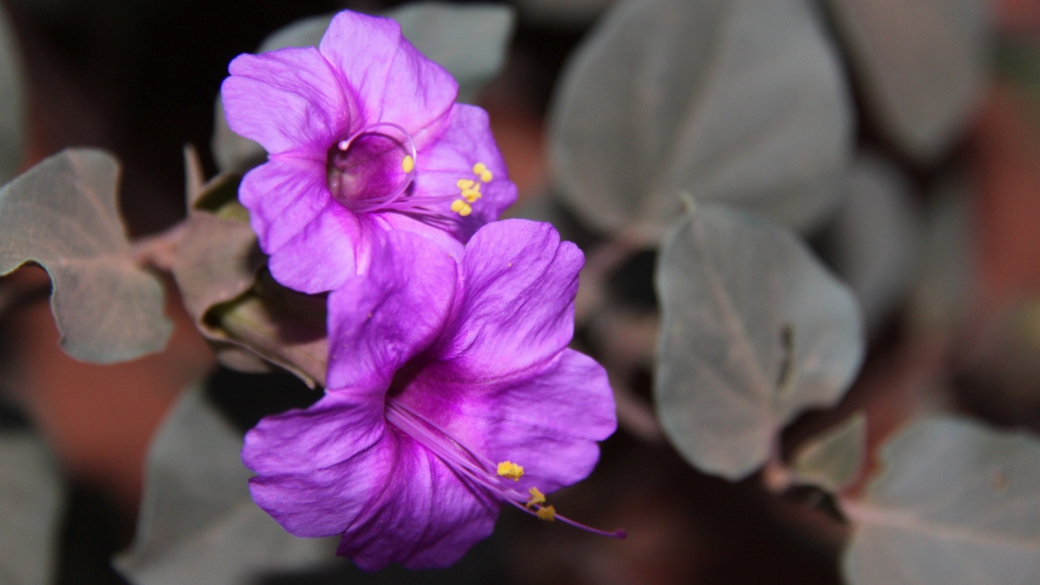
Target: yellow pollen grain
(510, 470)
(486, 176)
(537, 497)
(547, 513)
(471, 195)
(465, 184)
(407, 164)
(461, 207)
(479, 169)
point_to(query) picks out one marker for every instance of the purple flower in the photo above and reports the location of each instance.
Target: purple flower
(451, 392)
(364, 137)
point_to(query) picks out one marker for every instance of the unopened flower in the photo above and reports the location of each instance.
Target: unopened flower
(363, 136)
(451, 392)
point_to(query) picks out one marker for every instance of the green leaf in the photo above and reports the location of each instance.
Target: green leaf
(754, 331)
(922, 64)
(470, 41)
(31, 497)
(957, 503)
(833, 459)
(12, 102)
(197, 522)
(62, 214)
(739, 102)
(875, 240)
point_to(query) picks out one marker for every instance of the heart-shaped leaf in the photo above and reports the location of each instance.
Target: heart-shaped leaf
(739, 102)
(956, 504)
(62, 214)
(922, 64)
(198, 523)
(755, 330)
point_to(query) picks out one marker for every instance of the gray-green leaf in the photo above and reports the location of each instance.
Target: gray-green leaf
(31, 497)
(956, 504)
(922, 64)
(875, 241)
(12, 102)
(62, 214)
(833, 459)
(755, 330)
(198, 523)
(739, 102)
(469, 40)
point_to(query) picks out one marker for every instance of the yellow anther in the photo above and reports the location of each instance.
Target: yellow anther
(465, 184)
(537, 497)
(461, 207)
(407, 164)
(486, 176)
(510, 470)
(479, 169)
(471, 195)
(547, 513)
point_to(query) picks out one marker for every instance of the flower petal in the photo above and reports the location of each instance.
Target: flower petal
(290, 100)
(391, 79)
(518, 310)
(465, 143)
(547, 420)
(337, 468)
(314, 242)
(379, 321)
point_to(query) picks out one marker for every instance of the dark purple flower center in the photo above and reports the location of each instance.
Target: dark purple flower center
(372, 168)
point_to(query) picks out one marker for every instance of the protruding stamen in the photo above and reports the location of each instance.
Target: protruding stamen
(510, 470)
(537, 497)
(476, 469)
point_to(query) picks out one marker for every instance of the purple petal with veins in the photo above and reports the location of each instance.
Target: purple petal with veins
(451, 393)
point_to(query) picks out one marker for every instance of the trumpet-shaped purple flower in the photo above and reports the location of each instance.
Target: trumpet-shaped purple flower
(364, 137)
(451, 391)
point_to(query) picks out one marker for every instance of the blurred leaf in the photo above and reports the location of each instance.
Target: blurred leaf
(218, 260)
(31, 498)
(12, 102)
(739, 102)
(941, 287)
(562, 12)
(62, 214)
(470, 41)
(755, 330)
(956, 504)
(280, 325)
(197, 522)
(875, 241)
(833, 459)
(922, 63)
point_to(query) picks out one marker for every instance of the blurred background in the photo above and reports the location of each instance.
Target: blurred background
(139, 79)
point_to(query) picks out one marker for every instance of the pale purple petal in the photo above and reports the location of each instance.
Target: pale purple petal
(381, 320)
(466, 142)
(518, 311)
(547, 420)
(391, 80)
(336, 468)
(290, 100)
